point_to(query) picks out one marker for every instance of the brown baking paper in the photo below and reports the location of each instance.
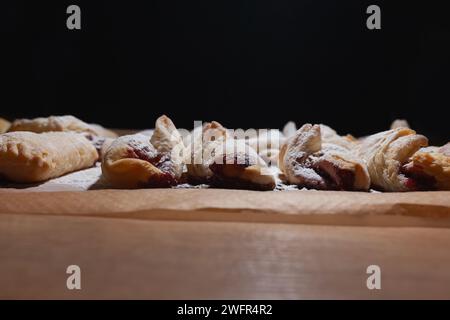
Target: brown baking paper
(428, 209)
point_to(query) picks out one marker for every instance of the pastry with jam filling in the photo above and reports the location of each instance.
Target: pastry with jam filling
(316, 157)
(236, 165)
(216, 158)
(137, 161)
(267, 143)
(201, 151)
(399, 160)
(428, 169)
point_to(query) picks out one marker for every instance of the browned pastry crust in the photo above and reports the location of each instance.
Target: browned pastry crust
(218, 159)
(61, 123)
(201, 151)
(428, 169)
(100, 137)
(136, 161)
(101, 131)
(316, 157)
(28, 157)
(386, 153)
(4, 125)
(237, 165)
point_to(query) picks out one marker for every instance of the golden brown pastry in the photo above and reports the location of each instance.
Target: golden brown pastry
(101, 131)
(386, 153)
(4, 125)
(136, 161)
(237, 165)
(316, 157)
(61, 123)
(267, 144)
(220, 160)
(28, 157)
(200, 152)
(147, 132)
(428, 169)
(270, 156)
(329, 136)
(53, 123)
(99, 136)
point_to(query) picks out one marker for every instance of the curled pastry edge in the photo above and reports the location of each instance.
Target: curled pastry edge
(302, 163)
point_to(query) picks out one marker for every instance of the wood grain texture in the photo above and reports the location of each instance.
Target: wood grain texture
(211, 260)
(214, 246)
(427, 209)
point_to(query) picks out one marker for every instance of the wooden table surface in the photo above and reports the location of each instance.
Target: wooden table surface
(128, 258)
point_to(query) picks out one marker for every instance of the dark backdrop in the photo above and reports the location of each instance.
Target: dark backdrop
(246, 63)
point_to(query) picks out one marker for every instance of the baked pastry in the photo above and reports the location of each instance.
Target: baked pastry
(28, 157)
(98, 135)
(236, 165)
(289, 129)
(428, 169)
(386, 153)
(316, 157)
(53, 123)
(135, 161)
(329, 136)
(270, 156)
(399, 123)
(61, 123)
(201, 151)
(266, 142)
(147, 132)
(4, 125)
(217, 158)
(266, 139)
(101, 131)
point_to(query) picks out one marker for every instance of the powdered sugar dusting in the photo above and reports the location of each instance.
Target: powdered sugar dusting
(77, 181)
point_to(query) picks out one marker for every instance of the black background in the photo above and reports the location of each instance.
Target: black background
(282, 309)
(245, 63)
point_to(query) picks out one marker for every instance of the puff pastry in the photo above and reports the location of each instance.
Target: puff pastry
(220, 160)
(428, 169)
(267, 143)
(136, 161)
(237, 165)
(386, 153)
(28, 157)
(201, 150)
(316, 157)
(4, 125)
(270, 156)
(147, 132)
